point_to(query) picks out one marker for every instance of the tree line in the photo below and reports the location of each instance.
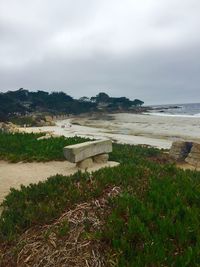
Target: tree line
(23, 101)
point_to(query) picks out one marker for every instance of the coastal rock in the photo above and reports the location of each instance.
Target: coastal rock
(48, 118)
(194, 155)
(8, 127)
(180, 150)
(47, 136)
(85, 164)
(102, 158)
(49, 123)
(195, 148)
(3, 127)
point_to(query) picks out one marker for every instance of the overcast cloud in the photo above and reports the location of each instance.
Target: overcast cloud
(147, 49)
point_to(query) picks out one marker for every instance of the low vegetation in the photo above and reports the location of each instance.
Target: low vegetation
(152, 220)
(25, 147)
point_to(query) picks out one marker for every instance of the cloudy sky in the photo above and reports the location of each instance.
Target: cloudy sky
(147, 49)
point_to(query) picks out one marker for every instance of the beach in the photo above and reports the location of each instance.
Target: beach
(127, 128)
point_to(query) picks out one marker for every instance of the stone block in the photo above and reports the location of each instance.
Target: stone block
(180, 150)
(85, 164)
(80, 152)
(194, 155)
(102, 158)
(193, 161)
(195, 148)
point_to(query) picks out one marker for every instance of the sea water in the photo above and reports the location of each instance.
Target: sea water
(179, 110)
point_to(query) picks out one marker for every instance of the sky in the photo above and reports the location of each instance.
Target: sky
(146, 49)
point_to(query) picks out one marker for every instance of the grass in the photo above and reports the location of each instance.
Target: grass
(155, 221)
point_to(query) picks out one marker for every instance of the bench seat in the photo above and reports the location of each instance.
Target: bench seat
(79, 152)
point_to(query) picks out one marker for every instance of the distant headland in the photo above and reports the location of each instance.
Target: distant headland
(23, 102)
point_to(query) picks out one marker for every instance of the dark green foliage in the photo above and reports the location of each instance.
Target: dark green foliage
(25, 147)
(22, 102)
(8, 106)
(101, 98)
(138, 102)
(116, 103)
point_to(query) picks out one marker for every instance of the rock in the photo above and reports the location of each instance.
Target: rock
(102, 158)
(195, 148)
(40, 123)
(8, 127)
(80, 152)
(48, 118)
(180, 150)
(47, 136)
(85, 164)
(194, 155)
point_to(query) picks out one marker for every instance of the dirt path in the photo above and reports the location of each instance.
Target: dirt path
(16, 174)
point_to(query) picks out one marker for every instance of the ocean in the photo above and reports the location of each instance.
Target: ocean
(178, 110)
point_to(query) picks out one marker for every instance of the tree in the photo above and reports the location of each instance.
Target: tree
(102, 98)
(137, 102)
(84, 99)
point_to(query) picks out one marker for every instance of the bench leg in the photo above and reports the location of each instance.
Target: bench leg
(84, 164)
(102, 158)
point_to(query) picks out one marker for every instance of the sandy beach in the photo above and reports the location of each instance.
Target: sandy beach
(157, 131)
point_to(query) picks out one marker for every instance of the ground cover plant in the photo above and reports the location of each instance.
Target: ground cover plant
(152, 219)
(17, 147)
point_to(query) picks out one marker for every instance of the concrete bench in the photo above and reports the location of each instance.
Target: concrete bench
(85, 154)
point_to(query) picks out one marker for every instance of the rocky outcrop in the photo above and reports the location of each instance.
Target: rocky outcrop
(180, 150)
(193, 157)
(44, 121)
(8, 127)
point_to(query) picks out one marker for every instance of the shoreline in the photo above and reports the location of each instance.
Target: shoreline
(127, 128)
